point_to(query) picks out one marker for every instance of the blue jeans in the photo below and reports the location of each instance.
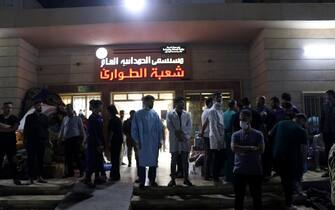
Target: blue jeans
(151, 175)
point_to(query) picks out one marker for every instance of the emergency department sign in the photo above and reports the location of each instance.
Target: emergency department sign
(158, 63)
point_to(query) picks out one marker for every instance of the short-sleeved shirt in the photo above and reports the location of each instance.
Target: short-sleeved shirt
(71, 127)
(249, 163)
(11, 120)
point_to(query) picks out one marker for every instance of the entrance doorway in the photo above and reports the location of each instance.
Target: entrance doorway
(128, 101)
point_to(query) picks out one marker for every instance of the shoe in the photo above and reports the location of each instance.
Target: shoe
(41, 180)
(153, 184)
(137, 181)
(172, 183)
(123, 164)
(31, 181)
(17, 182)
(187, 182)
(142, 187)
(129, 164)
(88, 183)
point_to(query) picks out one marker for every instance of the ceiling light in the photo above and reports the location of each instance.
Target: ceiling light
(319, 51)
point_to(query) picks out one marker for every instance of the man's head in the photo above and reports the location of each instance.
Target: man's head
(96, 106)
(330, 96)
(132, 113)
(69, 110)
(112, 110)
(7, 108)
(38, 106)
(121, 113)
(245, 102)
(274, 102)
(301, 119)
(261, 101)
(285, 97)
(217, 97)
(148, 102)
(179, 103)
(209, 102)
(245, 119)
(232, 104)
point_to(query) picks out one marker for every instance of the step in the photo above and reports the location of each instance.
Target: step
(53, 187)
(24, 202)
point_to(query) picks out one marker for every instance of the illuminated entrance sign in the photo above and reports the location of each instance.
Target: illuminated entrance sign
(144, 64)
(154, 73)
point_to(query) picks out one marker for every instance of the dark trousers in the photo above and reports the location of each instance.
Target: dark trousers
(115, 159)
(208, 158)
(184, 161)
(72, 154)
(287, 179)
(219, 158)
(255, 186)
(8, 148)
(329, 140)
(267, 160)
(130, 147)
(35, 153)
(151, 175)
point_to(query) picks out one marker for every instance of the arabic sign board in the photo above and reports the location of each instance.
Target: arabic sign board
(153, 65)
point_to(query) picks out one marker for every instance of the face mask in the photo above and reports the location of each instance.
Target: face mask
(244, 125)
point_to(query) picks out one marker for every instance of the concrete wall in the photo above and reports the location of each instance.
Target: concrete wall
(287, 69)
(209, 62)
(17, 70)
(258, 68)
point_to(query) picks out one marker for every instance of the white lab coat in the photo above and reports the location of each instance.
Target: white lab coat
(173, 124)
(216, 127)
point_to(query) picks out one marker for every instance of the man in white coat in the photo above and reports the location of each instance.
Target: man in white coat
(179, 125)
(216, 136)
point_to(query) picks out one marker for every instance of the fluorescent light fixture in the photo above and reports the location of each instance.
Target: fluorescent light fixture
(319, 51)
(101, 53)
(134, 5)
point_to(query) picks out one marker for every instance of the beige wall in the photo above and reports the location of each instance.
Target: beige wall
(17, 70)
(286, 67)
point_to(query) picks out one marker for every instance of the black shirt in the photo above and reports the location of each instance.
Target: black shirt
(12, 120)
(36, 128)
(115, 126)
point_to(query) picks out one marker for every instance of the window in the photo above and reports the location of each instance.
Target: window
(313, 103)
(80, 102)
(195, 104)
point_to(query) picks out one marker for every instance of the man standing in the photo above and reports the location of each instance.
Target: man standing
(72, 131)
(205, 135)
(289, 138)
(248, 146)
(327, 122)
(265, 116)
(129, 141)
(8, 125)
(179, 125)
(146, 131)
(95, 143)
(216, 136)
(36, 135)
(228, 117)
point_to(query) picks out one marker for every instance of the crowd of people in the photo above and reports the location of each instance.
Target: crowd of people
(244, 145)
